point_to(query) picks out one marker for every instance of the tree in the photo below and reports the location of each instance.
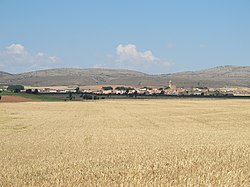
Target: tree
(29, 91)
(17, 91)
(77, 89)
(107, 88)
(135, 94)
(120, 88)
(70, 96)
(148, 88)
(35, 91)
(15, 88)
(123, 88)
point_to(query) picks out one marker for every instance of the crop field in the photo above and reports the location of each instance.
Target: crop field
(175, 142)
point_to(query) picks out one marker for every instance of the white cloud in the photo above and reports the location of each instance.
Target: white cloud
(53, 59)
(40, 54)
(129, 51)
(15, 58)
(15, 49)
(129, 57)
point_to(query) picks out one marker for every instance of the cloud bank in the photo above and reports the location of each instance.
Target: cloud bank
(15, 58)
(130, 54)
(129, 57)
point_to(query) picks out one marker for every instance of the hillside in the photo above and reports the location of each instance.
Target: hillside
(2, 73)
(217, 77)
(5, 77)
(214, 77)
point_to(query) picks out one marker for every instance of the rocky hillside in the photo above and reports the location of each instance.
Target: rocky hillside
(214, 77)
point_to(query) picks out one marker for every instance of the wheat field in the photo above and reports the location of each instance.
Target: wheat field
(125, 143)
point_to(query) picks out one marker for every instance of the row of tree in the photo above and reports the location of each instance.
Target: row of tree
(15, 88)
(18, 88)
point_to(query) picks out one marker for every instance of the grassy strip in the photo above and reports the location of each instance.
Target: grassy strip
(32, 96)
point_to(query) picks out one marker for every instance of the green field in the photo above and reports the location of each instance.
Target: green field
(32, 96)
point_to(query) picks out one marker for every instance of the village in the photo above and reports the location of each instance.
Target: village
(171, 90)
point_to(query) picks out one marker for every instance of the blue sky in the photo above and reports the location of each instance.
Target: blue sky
(153, 36)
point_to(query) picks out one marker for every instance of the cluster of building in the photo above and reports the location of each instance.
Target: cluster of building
(171, 89)
(51, 90)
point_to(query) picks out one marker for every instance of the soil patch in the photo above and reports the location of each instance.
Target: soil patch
(13, 99)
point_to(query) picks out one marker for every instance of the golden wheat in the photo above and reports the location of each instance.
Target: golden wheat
(125, 143)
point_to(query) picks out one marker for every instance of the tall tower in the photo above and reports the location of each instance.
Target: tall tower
(170, 84)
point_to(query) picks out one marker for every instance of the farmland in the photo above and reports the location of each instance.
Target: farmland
(189, 142)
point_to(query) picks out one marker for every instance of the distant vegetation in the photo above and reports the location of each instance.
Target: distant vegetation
(15, 88)
(30, 91)
(124, 88)
(148, 88)
(107, 88)
(32, 96)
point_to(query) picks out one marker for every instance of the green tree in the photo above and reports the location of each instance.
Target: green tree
(107, 88)
(123, 88)
(29, 91)
(77, 89)
(15, 88)
(35, 91)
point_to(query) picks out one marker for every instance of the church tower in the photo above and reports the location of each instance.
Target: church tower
(170, 84)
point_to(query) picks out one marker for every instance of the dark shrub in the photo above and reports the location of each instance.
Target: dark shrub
(15, 88)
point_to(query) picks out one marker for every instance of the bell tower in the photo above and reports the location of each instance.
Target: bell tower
(170, 84)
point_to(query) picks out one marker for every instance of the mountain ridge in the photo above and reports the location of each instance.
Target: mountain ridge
(220, 76)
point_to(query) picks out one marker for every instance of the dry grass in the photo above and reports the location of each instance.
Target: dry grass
(125, 143)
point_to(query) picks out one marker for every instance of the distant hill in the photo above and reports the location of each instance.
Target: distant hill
(4, 76)
(2, 73)
(214, 77)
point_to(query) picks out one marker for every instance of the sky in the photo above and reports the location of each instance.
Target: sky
(152, 36)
